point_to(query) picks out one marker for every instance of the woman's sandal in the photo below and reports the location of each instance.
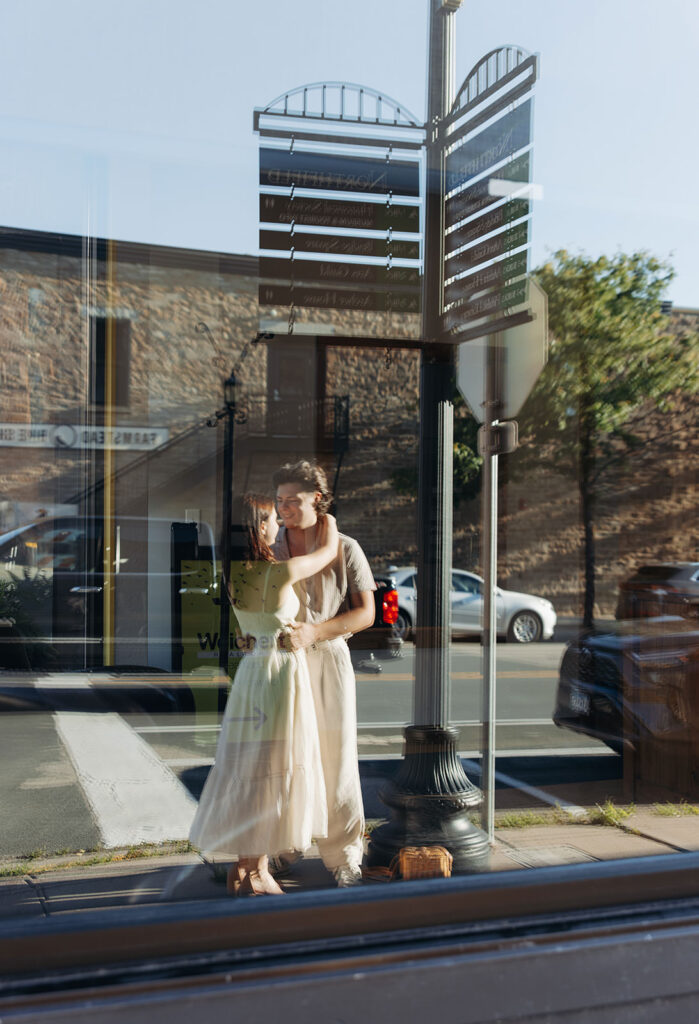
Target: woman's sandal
(255, 884)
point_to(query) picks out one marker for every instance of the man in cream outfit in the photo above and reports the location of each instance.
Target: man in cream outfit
(334, 604)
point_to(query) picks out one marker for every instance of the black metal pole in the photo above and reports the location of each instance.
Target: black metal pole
(431, 795)
(493, 389)
(226, 514)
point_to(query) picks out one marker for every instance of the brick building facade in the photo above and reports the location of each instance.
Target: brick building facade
(180, 319)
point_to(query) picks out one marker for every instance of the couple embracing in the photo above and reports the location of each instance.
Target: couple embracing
(286, 770)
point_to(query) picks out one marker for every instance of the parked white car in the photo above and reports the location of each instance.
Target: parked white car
(522, 618)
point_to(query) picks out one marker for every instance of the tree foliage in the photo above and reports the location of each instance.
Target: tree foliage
(467, 461)
(612, 351)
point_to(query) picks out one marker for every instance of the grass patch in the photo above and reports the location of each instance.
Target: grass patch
(575, 816)
(16, 870)
(35, 854)
(555, 815)
(680, 810)
(523, 819)
(38, 862)
(609, 814)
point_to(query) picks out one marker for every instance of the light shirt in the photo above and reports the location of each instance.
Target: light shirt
(326, 594)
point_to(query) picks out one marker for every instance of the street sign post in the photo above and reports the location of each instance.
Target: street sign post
(495, 376)
(486, 295)
(477, 152)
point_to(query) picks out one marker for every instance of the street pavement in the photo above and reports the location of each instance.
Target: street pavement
(79, 774)
(53, 887)
(105, 765)
(83, 783)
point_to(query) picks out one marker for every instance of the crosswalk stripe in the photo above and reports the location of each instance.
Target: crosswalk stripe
(133, 795)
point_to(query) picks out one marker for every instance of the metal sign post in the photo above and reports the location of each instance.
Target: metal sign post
(490, 571)
(495, 375)
(320, 216)
(430, 795)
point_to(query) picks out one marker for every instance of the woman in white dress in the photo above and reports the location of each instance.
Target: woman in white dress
(265, 792)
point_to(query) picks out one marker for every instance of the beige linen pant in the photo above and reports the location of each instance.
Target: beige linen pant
(333, 687)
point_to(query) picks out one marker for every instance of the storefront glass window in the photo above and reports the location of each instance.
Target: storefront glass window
(225, 273)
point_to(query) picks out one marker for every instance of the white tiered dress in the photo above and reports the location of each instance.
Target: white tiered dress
(265, 792)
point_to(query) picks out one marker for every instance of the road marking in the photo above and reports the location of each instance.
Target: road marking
(539, 794)
(460, 723)
(134, 796)
(469, 755)
(189, 762)
(177, 728)
(402, 677)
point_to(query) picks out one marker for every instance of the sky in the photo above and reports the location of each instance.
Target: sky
(134, 120)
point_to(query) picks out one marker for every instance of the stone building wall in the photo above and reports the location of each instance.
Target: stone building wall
(191, 316)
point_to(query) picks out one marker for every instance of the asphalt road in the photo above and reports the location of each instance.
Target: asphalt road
(527, 677)
(88, 770)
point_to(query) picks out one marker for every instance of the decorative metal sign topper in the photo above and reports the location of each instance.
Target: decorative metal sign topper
(340, 226)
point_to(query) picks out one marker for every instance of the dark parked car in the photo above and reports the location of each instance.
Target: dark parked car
(665, 588)
(53, 585)
(636, 681)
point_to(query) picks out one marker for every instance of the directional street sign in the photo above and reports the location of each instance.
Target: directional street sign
(492, 302)
(493, 288)
(513, 210)
(490, 249)
(338, 213)
(523, 353)
(337, 273)
(374, 300)
(492, 276)
(334, 172)
(366, 153)
(339, 245)
(502, 139)
(477, 197)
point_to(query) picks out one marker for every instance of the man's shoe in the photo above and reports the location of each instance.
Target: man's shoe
(347, 876)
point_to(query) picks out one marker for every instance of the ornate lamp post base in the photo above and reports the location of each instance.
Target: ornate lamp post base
(430, 799)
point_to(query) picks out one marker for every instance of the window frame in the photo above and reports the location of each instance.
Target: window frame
(135, 941)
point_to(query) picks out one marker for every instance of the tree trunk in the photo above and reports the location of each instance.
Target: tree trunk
(587, 508)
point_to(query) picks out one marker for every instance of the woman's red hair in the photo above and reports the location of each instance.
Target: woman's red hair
(247, 541)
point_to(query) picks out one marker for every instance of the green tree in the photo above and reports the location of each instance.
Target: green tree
(612, 351)
(467, 461)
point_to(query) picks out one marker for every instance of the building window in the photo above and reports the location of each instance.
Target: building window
(101, 358)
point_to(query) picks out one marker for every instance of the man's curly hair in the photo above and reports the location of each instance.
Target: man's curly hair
(308, 476)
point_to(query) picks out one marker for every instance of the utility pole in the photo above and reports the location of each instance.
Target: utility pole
(431, 795)
(229, 398)
(493, 389)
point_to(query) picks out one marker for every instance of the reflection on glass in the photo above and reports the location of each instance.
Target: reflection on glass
(113, 353)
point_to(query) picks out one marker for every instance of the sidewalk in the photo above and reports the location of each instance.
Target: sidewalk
(60, 885)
